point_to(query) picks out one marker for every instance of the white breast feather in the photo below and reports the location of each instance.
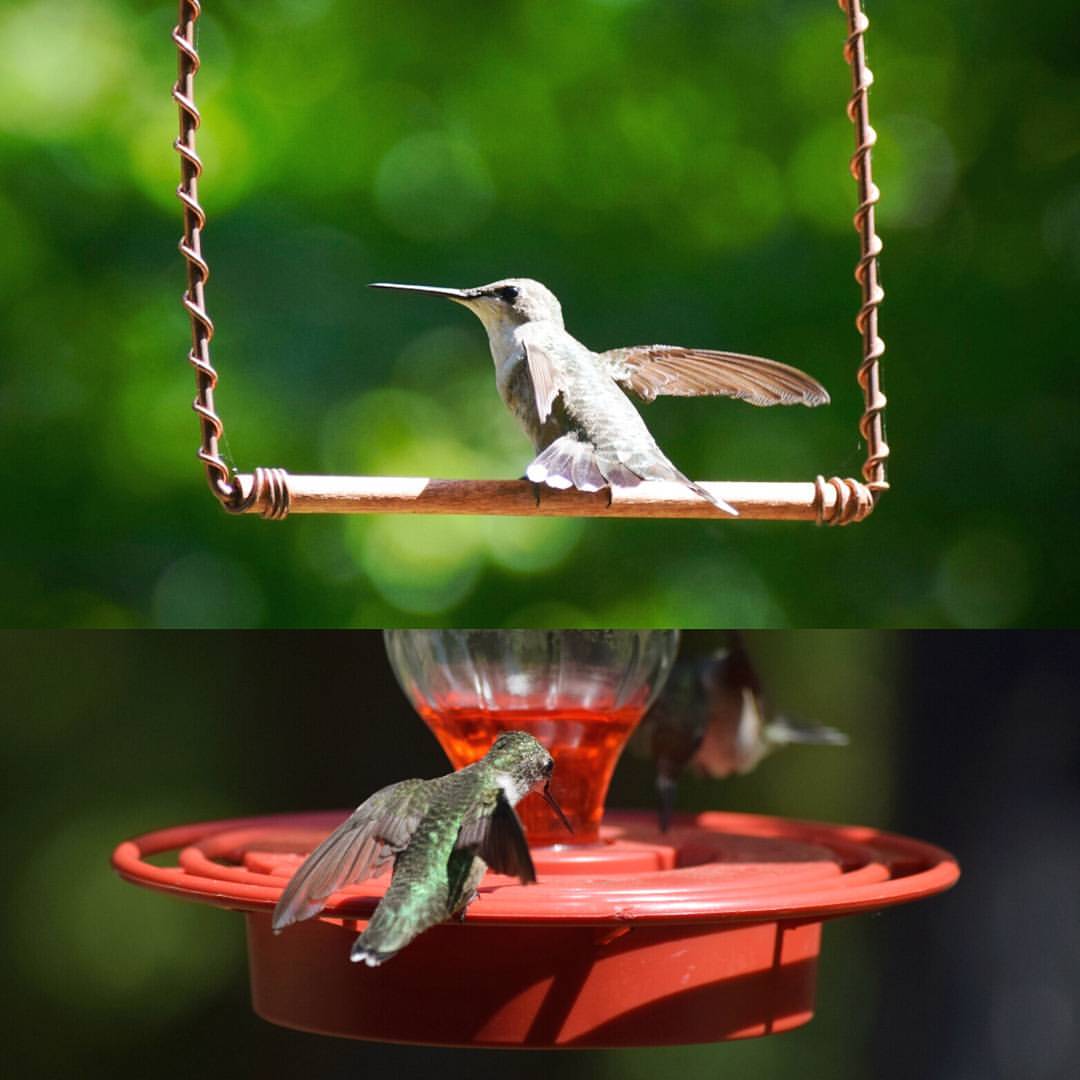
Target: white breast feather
(510, 787)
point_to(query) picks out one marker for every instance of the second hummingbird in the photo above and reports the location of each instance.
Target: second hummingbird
(712, 717)
(570, 400)
(440, 835)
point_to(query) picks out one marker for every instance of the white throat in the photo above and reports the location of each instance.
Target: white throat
(500, 326)
(514, 789)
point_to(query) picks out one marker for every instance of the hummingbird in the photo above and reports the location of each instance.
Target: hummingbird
(572, 401)
(712, 717)
(440, 835)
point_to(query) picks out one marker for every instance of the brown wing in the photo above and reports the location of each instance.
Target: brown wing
(651, 370)
(359, 848)
(499, 840)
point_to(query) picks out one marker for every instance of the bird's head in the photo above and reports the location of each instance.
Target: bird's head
(524, 765)
(499, 306)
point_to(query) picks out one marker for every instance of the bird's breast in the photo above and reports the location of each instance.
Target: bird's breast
(510, 368)
(504, 344)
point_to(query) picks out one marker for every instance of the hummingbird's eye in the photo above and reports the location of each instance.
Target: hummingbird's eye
(549, 768)
(509, 293)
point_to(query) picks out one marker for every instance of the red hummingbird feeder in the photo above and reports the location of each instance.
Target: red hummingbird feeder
(629, 938)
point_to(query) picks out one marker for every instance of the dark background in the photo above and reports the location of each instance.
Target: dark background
(676, 170)
(968, 740)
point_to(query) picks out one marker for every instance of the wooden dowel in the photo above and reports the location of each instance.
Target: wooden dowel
(274, 493)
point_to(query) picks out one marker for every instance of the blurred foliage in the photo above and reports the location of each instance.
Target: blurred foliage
(674, 169)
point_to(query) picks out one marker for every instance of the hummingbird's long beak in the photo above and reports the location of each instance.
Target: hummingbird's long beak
(550, 800)
(431, 290)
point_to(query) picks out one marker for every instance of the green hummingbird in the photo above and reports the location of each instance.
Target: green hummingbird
(712, 717)
(571, 401)
(441, 835)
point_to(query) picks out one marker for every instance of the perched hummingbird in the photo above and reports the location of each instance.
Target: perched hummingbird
(711, 716)
(570, 400)
(441, 835)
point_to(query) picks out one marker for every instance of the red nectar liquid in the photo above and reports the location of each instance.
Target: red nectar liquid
(585, 743)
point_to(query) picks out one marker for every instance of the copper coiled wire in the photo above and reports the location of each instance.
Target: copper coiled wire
(871, 424)
(218, 474)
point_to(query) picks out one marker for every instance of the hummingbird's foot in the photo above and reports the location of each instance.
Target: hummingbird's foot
(610, 496)
(536, 490)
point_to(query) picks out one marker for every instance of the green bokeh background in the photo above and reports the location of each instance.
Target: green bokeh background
(674, 169)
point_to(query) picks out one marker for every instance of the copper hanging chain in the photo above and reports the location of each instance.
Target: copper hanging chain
(872, 424)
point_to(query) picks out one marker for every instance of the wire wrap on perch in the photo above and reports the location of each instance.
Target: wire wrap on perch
(273, 493)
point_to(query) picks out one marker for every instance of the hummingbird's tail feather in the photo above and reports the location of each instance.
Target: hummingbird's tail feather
(363, 954)
(666, 471)
(629, 469)
(568, 463)
(573, 462)
(719, 503)
(782, 730)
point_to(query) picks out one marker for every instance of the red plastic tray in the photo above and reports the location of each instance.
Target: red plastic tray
(710, 932)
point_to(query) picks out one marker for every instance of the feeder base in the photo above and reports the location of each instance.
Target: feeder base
(523, 987)
(709, 932)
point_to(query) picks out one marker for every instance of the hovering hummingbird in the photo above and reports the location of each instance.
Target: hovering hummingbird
(570, 400)
(441, 835)
(711, 716)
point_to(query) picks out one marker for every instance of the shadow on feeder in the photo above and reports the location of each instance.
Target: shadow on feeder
(523, 987)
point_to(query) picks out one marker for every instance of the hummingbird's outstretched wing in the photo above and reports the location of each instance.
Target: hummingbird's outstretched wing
(498, 838)
(652, 370)
(361, 847)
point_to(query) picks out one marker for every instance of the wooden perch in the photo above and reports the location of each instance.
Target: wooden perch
(273, 493)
